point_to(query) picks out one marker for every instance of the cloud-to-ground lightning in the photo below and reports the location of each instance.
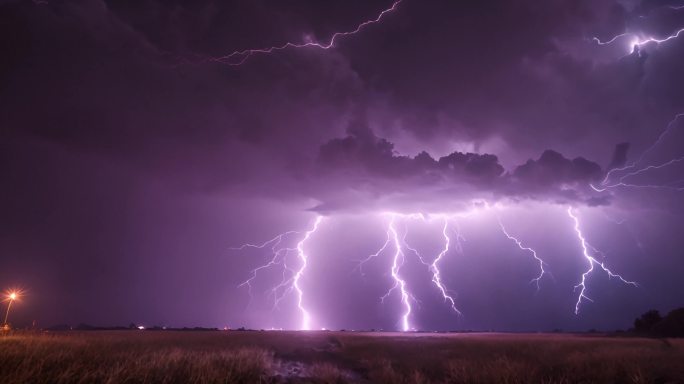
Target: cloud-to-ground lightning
(238, 57)
(433, 266)
(635, 168)
(399, 283)
(278, 258)
(520, 245)
(290, 277)
(436, 273)
(395, 243)
(399, 258)
(306, 317)
(582, 285)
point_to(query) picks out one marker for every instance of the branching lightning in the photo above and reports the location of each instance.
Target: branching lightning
(239, 57)
(433, 267)
(612, 40)
(582, 286)
(290, 277)
(638, 41)
(306, 317)
(399, 259)
(395, 243)
(436, 273)
(278, 258)
(635, 168)
(541, 262)
(399, 283)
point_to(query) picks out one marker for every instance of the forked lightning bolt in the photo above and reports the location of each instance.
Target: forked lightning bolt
(278, 258)
(635, 168)
(399, 283)
(306, 317)
(582, 286)
(399, 259)
(290, 277)
(541, 262)
(434, 268)
(637, 41)
(240, 56)
(396, 242)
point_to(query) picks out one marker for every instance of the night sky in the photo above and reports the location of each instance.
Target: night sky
(142, 142)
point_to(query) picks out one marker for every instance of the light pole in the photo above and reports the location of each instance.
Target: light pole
(10, 297)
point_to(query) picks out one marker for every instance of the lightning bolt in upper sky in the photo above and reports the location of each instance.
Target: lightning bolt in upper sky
(637, 40)
(238, 57)
(636, 167)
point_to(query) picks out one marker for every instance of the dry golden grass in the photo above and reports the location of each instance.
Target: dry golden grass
(334, 357)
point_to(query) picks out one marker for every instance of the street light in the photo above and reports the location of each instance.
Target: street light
(11, 297)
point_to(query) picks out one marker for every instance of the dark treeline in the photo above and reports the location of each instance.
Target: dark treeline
(653, 324)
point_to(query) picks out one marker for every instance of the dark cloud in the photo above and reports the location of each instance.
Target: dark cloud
(363, 156)
(619, 158)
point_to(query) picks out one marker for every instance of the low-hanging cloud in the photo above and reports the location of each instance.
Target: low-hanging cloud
(370, 171)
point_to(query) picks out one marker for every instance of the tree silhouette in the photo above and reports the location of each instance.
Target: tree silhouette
(646, 322)
(651, 323)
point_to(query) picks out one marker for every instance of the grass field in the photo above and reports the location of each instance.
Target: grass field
(335, 357)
